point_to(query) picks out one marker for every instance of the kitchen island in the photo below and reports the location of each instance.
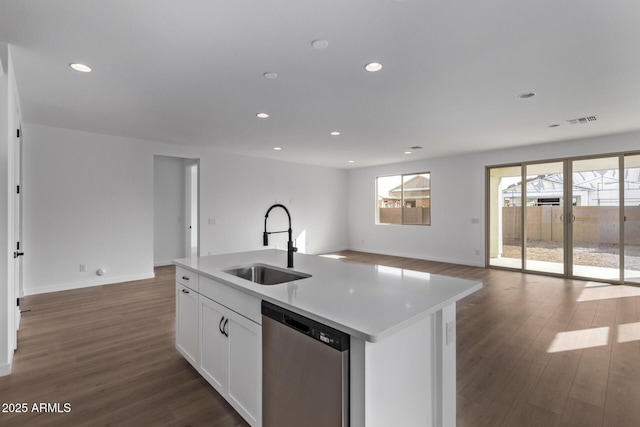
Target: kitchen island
(401, 325)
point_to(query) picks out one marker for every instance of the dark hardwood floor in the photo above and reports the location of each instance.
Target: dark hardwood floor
(108, 352)
(541, 351)
(532, 351)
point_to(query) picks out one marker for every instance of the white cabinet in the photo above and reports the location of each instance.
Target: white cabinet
(231, 357)
(187, 323)
(214, 360)
(245, 367)
(218, 331)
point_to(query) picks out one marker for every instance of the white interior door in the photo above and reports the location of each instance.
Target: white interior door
(18, 248)
(191, 199)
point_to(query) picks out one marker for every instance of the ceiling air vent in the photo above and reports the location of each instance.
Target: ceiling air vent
(583, 120)
(416, 147)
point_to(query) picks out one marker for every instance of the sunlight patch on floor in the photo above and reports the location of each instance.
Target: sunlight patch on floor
(629, 332)
(578, 340)
(605, 291)
(333, 256)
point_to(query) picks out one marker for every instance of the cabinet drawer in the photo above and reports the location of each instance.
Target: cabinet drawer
(187, 278)
(238, 301)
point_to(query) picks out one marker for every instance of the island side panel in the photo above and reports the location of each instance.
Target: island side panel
(357, 413)
(398, 376)
(444, 358)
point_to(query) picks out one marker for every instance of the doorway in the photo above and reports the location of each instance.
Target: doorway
(191, 208)
(176, 201)
(576, 217)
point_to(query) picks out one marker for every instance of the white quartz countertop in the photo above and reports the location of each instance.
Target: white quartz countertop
(370, 302)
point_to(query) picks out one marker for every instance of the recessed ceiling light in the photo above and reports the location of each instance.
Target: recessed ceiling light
(80, 67)
(262, 115)
(277, 148)
(270, 75)
(352, 161)
(319, 44)
(372, 67)
(527, 95)
(407, 152)
(335, 133)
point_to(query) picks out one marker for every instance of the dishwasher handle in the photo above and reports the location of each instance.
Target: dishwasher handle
(301, 327)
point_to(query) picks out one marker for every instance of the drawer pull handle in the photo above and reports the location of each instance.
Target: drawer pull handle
(184, 291)
(185, 278)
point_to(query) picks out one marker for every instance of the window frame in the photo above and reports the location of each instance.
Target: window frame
(401, 178)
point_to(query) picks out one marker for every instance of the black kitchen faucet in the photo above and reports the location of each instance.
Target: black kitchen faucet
(265, 236)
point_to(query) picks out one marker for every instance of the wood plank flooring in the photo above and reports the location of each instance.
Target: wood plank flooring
(532, 351)
(109, 352)
(541, 351)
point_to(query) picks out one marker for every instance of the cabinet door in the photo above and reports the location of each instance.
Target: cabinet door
(214, 346)
(245, 367)
(187, 323)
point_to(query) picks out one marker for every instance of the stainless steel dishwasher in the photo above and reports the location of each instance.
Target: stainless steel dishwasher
(305, 371)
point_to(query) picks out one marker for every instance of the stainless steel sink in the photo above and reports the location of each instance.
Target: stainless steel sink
(264, 274)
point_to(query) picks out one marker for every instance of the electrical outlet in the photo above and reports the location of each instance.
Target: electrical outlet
(477, 251)
(83, 268)
(450, 338)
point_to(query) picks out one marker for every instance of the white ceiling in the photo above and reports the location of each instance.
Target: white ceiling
(191, 72)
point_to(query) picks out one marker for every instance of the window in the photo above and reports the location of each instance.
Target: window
(404, 199)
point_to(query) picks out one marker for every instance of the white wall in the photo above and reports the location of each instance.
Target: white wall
(457, 197)
(235, 193)
(169, 186)
(89, 199)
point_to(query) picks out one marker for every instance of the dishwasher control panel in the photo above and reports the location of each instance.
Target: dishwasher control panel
(316, 330)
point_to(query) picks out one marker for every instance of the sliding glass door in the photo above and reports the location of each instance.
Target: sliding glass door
(631, 177)
(505, 217)
(544, 233)
(572, 217)
(595, 218)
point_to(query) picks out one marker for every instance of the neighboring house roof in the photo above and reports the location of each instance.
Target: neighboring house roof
(417, 187)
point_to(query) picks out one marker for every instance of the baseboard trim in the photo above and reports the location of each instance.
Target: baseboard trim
(329, 251)
(5, 369)
(88, 283)
(422, 257)
(162, 263)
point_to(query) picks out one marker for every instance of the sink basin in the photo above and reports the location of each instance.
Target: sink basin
(263, 274)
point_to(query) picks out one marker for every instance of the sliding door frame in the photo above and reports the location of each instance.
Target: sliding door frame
(567, 216)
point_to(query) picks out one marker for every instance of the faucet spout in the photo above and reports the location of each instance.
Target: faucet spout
(265, 236)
